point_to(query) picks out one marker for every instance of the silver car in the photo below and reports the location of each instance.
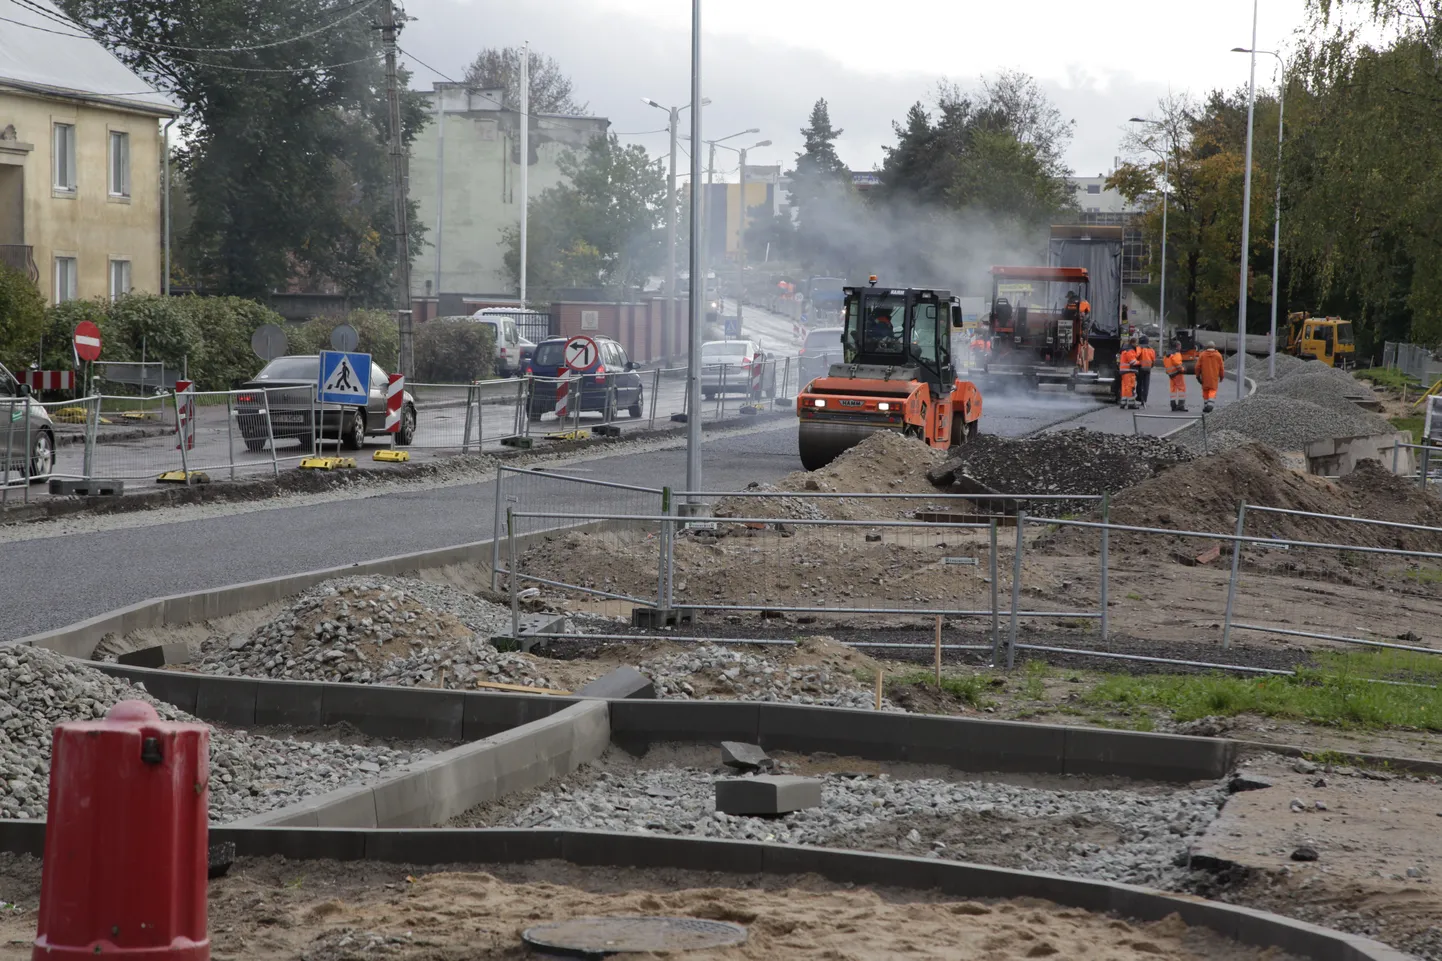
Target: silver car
(726, 368)
(14, 431)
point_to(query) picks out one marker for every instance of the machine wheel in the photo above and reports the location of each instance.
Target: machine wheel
(355, 438)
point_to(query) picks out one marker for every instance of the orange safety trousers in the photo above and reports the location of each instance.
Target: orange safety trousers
(1129, 385)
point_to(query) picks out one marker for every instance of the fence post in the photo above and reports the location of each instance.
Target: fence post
(1205, 447)
(1136, 427)
(230, 430)
(1015, 589)
(1236, 569)
(1426, 463)
(511, 574)
(655, 398)
(496, 530)
(661, 598)
(25, 454)
(721, 394)
(471, 409)
(180, 438)
(9, 453)
(1106, 545)
(270, 435)
(92, 430)
(785, 381)
(995, 616)
(1396, 450)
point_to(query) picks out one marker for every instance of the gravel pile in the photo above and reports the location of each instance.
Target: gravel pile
(1217, 441)
(1117, 835)
(777, 508)
(1257, 366)
(1285, 423)
(712, 672)
(250, 773)
(1327, 388)
(1061, 462)
(377, 630)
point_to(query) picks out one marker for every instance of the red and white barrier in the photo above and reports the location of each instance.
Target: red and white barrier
(563, 396)
(48, 379)
(758, 367)
(185, 414)
(395, 400)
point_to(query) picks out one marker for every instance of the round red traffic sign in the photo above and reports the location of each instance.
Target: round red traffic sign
(87, 340)
(581, 353)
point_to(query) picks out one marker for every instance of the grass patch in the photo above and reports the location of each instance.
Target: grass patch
(1384, 664)
(1412, 424)
(1386, 377)
(1317, 696)
(1033, 685)
(970, 689)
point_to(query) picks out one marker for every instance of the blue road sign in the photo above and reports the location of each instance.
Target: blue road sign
(345, 378)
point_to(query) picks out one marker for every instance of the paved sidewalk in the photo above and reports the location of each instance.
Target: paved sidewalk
(1113, 420)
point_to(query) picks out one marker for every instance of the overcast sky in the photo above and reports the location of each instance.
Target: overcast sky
(765, 62)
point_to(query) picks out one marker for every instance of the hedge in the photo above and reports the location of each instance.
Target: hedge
(454, 351)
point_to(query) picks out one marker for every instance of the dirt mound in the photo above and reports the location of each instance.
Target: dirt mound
(1203, 495)
(1061, 462)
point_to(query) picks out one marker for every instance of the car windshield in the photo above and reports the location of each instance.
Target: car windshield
(291, 368)
(874, 321)
(829, 337)
(721, 351)
(1344, 333)
(551, 354)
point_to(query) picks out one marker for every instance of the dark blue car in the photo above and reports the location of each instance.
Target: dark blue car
(610, 370)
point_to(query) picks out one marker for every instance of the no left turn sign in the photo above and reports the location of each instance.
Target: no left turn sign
(581, 353)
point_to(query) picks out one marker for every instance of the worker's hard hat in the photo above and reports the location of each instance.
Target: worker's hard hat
(1176, 345)
(1211, 345)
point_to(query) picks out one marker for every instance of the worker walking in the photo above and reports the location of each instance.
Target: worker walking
(1146, 359)
(1209, 375)
(1127, 366)
(1177, 376)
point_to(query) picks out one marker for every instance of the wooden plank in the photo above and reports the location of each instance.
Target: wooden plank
(520, 688)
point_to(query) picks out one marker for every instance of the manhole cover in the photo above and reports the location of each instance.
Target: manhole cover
(598, 937)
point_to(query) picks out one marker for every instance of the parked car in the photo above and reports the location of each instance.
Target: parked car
(612, 368)
(511, 354)
(726, 368)
(17, 426)
(818, 352)
(292, 413)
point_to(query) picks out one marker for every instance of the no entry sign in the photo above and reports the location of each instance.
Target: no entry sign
(581, 353)
(87, 341)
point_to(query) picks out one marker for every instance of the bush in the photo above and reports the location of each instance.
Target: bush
(60, 323)
(22, 318)
(379, 335)
(454, 352)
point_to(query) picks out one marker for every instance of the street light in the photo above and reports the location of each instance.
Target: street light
(710, 181)
(1246, 219)
(698, 290)
(673, 115)
(1166, 191)
(741, 229)
(1277, 215)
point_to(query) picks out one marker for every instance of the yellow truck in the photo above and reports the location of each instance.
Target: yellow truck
(1328, 339)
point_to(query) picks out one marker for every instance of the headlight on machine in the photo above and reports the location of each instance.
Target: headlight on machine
(883, 406)
(818, 402)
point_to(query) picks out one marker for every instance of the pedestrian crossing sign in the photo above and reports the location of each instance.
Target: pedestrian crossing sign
(344, 378)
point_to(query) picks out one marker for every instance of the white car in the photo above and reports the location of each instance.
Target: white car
(726, 367)
(512, 350)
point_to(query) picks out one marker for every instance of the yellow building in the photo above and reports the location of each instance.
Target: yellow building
(80, 163)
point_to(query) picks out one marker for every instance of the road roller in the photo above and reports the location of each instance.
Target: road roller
(895, 374)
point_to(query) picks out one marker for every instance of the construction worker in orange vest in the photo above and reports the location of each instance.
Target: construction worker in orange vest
(1177, 376)
(1209, 375)
(1127, 367)
(1146, 359)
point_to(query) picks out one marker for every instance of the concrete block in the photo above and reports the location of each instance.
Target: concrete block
(972, 745)
(1153, 757)
(463, 846)
(767, 795)
(22, 837)
(745, 757)
(143, 657)
(1145, 904)
(623, 682)
(395, 712)
(659, 851)
(226, 700)
(173, 687)
(297, 844)
(467, 778)
(404, 801)
(852, 867)
(290, 703)
(868, 734)
(219, 857)
(645, 722)
(485, 714)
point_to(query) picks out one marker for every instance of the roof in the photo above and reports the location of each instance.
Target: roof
(41, 55)
(1041, 273)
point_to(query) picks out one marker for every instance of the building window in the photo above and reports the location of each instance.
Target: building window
(119, 164)
(65, 272)
(64, 156)
(1094, 188)
(119, 278)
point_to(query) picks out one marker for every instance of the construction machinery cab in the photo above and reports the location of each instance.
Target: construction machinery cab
(1328, 339)
(894, 333)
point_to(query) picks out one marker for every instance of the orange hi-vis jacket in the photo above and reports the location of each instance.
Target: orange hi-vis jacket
(1209, 368)
(1128, 361)
(1174, 365)
(1146, 358)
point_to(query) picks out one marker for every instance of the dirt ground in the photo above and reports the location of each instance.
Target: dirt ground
(272, 910)
(1378, 842)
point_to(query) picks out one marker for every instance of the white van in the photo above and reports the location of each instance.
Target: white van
(512, 350)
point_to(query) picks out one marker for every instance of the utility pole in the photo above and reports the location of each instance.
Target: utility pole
(741, 247)
(525, 156)
(440, 183)
(1246, 222)
(398, 195)
(669, 330)
(698, 280)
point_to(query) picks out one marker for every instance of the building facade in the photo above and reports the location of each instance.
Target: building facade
(465, 179)
(80, 164)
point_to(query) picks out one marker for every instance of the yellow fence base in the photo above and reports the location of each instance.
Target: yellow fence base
(393, 456)
(327, 463)
(178, 477)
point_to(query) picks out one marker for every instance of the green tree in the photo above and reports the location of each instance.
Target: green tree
(602, 226)
(283, 138)
(820, 191)
(22, 319)
(500, 68)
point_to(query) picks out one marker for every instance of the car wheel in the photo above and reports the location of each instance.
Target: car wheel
(636, 410)
(255, 444)
(42, 456)
(407, 433)
(355, 438)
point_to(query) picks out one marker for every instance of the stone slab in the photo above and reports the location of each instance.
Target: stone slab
(767, 795)
(621, 684)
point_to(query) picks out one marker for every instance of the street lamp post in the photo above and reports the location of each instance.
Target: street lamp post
(1246, 219)
(741, 228)
(1166, 191)
(710, 180)
(673, 118)
(1277, 213)
(698, 289)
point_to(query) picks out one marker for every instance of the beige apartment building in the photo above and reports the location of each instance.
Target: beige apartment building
(81, 147)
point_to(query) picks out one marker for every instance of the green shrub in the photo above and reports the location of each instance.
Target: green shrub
(60, 323)
(379, 336)
(227, 324)
(454, 352)
(22, 319)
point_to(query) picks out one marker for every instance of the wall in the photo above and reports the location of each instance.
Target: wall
(481, 169)
(636, 326)
(88, 224)
(1340, 455)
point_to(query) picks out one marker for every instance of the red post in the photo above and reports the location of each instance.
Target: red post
(126, 840)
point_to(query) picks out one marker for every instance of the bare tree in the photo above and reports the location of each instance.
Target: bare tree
(500, 68)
